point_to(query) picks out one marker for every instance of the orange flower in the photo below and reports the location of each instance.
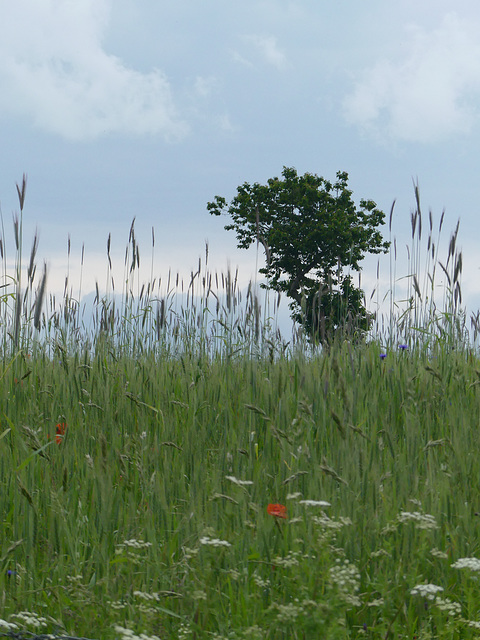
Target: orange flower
(277, 510)
(61, 428)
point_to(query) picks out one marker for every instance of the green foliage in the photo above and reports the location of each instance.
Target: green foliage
(151, 512)
(312, 233)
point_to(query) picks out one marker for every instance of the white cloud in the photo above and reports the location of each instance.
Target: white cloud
(204, 86)
(241, 59)
(54, 71)
(226, 124)
(429, 94)
(267, 45)
(268, 49)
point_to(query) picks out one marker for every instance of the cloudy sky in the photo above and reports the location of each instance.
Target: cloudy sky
(148, 109)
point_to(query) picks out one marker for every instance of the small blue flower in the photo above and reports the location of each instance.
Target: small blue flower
(383, 356)
(403, 347)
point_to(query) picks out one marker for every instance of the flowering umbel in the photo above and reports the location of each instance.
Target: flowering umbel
(277, 510)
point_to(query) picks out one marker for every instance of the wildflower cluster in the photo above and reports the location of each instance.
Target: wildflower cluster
(290, 612)
(132, 549)
(290, 560)
(421, 520)
(451, 608)
(7, 626)
(135, 544)
(331, 523)
(31, 619)
(128, 634)
(346, 577)
(428, 591)
(286, 613)
(473, 624)
(467, 563)
(260, 582)
(214, 542)
(315, 503)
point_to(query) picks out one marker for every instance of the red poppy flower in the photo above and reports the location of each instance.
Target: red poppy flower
(61, 428)
(277, 510)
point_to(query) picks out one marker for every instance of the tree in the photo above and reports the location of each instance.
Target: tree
(311, 232)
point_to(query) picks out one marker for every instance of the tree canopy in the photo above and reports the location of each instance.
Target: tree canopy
(311, 232)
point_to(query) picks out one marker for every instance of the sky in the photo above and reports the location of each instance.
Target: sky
(147, 109)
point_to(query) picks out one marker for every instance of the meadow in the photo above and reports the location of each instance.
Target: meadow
(180, 470)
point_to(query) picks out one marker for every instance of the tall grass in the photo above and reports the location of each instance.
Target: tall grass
(431, 313)
(141, 445)
(207, 313)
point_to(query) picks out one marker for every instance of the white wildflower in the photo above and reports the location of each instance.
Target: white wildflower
(260, 582)
(428, 591)
(389, 528)
(128, 634)
(439, 554)
(131, 549)
(309, 603)
(346, 577)
(351, 599)
(143, 608)
(8, 626)
(315, 503)
(329, 523)
(294, 496)
(214, 542)
(290, 560)
(286, 613)
(184, 632)
(473, 624)
(421, 520)
(450, 608)
(135, 544)
(30, 619)
(189, 553)
(467, 563)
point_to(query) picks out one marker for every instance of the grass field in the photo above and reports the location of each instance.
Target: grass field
(182, 472)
